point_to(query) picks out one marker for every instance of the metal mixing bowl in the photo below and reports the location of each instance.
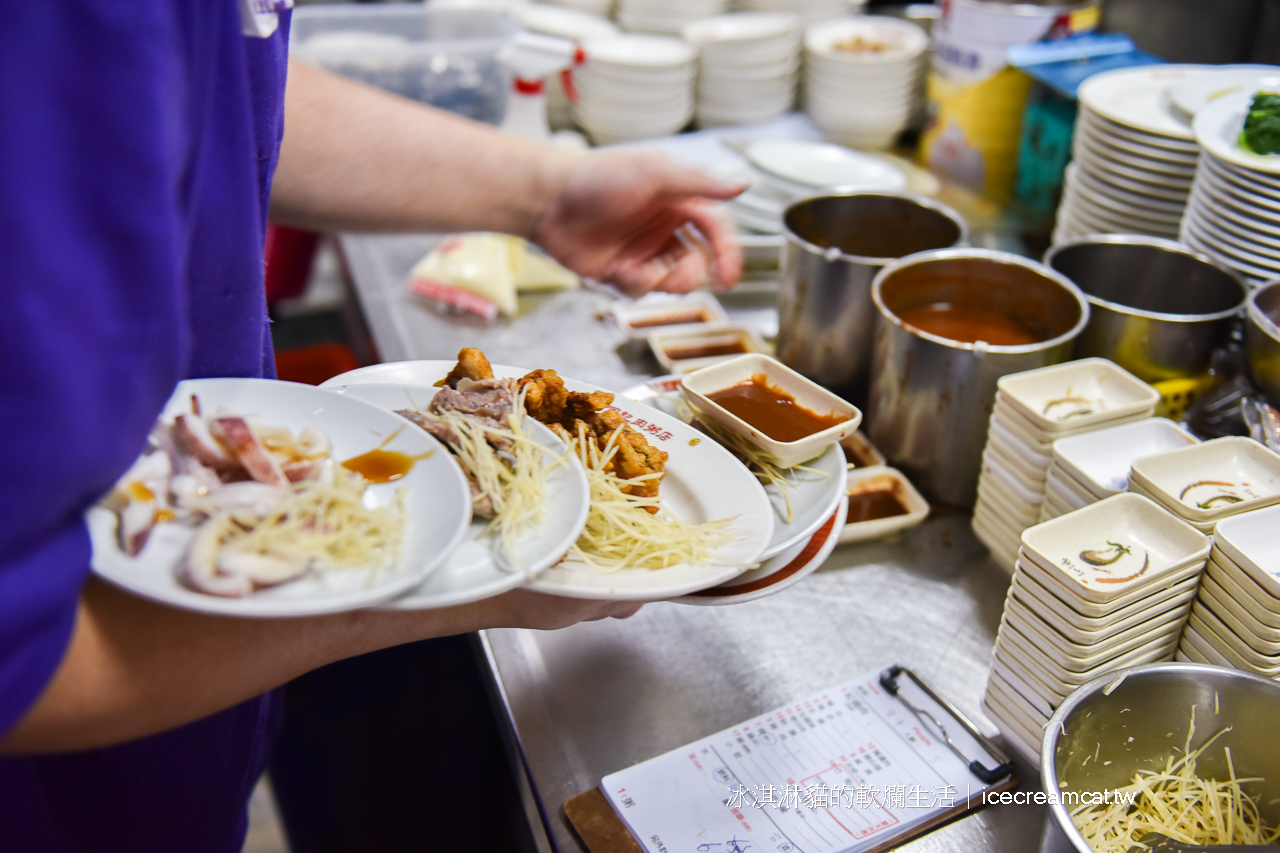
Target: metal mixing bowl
(1144, 720)
(1262, 338)
(1159, 308)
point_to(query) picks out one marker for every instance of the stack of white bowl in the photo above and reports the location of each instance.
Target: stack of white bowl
(635, 87)
(1094, 466)
(1133, 156)
(666, 16)
(603, 8)
(564, 23)
(862, 78)
(1033, 409)
(1234, 214)
(748, 66)
(781, 172)
(809, 11)
(1095, 591)
(1207, 483)
(1235, 621)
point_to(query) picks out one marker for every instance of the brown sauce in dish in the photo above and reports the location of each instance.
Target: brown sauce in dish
(670, 319)
(873, 504)
(705, 350)
(383, 466)
(969, 324)
(771, 410)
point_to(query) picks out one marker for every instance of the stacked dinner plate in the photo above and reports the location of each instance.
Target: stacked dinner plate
(749, 63)
(666, 16)
(635, 87)
(809, 11)
(1094, 466)
(862, 78)
(1234, 213)
(1236, 618)
(1096, 591)
(1034, 409)
(1133, 156)
(782, 171)
(562, 23)
(603, 8)
(1206, 483)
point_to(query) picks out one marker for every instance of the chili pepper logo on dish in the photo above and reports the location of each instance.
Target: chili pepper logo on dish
(1109, 562)
(1215, 494)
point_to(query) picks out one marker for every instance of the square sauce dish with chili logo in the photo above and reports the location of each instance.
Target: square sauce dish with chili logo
(784, 414)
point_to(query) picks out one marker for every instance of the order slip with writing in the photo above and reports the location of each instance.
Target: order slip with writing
(846, 769)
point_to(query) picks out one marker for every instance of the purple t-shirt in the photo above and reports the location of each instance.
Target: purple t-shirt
(137, 143)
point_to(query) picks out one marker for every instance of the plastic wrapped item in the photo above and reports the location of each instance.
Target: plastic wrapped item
(481, 273)
(444, 57)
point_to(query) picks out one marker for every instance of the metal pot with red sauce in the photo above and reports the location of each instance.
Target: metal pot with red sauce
(772, 410)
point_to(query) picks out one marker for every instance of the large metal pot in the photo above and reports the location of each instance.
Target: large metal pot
(1159, 308)
(835, 246)
(1262, 339)
(931, 397)
(1144, 720)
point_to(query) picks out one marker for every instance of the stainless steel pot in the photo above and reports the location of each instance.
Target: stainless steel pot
(931, 397)
(835, 246)
(1144, 720)
(1159, 308)
(1262, 339)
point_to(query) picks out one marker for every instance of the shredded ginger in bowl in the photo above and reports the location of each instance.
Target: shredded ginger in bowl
(1179, 803)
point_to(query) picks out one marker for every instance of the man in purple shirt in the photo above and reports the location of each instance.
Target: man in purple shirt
(138, 145)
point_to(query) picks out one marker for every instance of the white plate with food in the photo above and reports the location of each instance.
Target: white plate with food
(251, 476)
(773, 576)
(1218, 127)
(702, 483)
(481, 565)
(813, 489)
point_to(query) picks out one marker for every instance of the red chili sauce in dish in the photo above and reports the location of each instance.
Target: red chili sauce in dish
(683, 353)
(969, 324)
(772, 410)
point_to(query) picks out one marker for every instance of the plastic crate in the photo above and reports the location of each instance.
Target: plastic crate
(442, 57)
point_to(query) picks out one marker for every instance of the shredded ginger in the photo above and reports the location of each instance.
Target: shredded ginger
(1178, 803)
(323, 525)
(515, 481)
(622, 534)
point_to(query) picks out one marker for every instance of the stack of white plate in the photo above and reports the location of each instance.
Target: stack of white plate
(666, 16)
(862, 78)
(1033, 409)
(749, 63)
(1096, 591)
(1133, 156)
(809, 11)
(1207, 483)
(1235, 621)
(1234, 214)
(781, 172)
(635, 87)
(603, 8)
(568, 24)
(1094, 466)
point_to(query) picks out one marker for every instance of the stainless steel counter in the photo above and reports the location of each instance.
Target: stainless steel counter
(588, 700)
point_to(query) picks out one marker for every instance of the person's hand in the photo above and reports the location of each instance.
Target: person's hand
(522, 608)
(624, 219)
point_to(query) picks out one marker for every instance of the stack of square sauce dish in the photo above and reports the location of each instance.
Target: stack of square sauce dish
(1101, 589)
(1087, 468)
(1235, 620)
(1206, 483)
(1032, 410)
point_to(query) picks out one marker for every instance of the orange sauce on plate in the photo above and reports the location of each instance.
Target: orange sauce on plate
(383, 466)
(771, 410)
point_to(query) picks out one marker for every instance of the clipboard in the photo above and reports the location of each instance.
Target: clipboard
(595, 814)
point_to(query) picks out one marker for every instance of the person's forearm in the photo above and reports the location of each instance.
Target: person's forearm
(340, 170)
(135, 668)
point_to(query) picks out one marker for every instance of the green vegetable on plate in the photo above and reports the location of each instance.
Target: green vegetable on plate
(1261, 132)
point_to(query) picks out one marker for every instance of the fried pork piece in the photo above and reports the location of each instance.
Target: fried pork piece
(545, 397)
(547, 400)
(472, 364)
